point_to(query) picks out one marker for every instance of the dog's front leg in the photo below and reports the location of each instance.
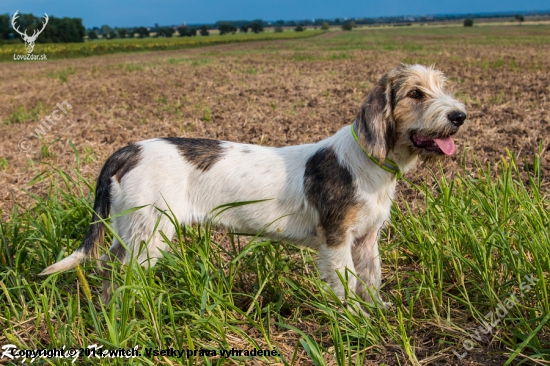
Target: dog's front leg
(336, 259)
(367, 265)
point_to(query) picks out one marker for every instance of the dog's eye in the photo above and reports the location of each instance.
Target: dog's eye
(415, 94)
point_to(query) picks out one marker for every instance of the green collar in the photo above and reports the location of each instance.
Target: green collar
(388, 165)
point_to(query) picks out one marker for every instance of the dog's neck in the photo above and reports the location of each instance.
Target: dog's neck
(398, 161)
(403, 157)
(352, 155)
(386, 164)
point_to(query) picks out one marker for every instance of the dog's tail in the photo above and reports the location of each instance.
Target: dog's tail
(117, 165)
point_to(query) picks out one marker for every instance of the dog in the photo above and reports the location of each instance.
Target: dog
(334, 195)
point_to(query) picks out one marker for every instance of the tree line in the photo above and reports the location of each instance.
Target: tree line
(107, 32)
(71, 29)
(58, 30)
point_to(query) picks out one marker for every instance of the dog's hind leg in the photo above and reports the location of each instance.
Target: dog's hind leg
(116, 253)
(148, 242)
(140, 231)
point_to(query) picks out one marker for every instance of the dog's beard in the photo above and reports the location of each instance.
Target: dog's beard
(430, 158)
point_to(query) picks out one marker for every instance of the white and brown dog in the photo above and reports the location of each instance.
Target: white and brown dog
(333, 195)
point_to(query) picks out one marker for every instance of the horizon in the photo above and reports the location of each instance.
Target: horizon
(142, 13)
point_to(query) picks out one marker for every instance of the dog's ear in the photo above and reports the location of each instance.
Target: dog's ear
(375, 123)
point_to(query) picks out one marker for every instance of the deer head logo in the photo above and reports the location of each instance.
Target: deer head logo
(29, 40)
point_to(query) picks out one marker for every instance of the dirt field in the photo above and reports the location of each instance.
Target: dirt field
(273, 93)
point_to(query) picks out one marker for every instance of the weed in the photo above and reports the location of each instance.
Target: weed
(45, 148)
(200, 61)
(89, 155)
(132, 67)
(192, 62)
(496, 99)
(63, 75)
(496, 64)
(339, 56)
(207, 114)
(175, 61)
(22, 114)
(303, 57)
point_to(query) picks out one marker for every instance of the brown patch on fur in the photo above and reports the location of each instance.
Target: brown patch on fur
(203, 153)
(351, 217)
(329, 188)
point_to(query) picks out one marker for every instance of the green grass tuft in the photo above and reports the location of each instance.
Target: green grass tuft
(450, 259)
(63, 75)
(22, 114)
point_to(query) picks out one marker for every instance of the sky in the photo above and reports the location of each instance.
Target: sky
(129, 13)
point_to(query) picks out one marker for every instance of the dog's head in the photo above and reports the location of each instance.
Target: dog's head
(410, 110)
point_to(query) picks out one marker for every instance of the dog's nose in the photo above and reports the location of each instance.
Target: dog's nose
(457, 118)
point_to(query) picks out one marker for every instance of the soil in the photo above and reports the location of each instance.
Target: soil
(262, 93)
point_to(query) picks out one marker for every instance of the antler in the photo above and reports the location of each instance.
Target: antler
(43, 23)
(35, 32)
(15, 16)
(25, 35)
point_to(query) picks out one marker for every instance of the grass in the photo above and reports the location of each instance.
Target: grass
(22, 114)
(424, 42)
(63, 75)
(102, 47)
(453, 257)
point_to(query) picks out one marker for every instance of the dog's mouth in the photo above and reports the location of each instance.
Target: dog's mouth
(438, 145)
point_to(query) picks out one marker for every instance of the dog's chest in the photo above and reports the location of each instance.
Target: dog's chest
(375, 209)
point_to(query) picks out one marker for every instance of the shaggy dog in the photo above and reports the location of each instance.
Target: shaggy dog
(333, 195)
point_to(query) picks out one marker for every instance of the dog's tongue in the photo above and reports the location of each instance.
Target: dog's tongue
(446, 145)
